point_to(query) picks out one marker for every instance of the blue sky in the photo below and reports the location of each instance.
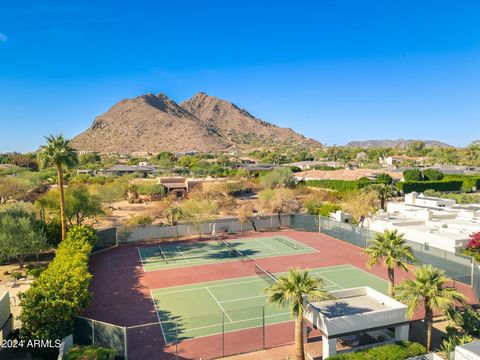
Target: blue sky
(333, 70)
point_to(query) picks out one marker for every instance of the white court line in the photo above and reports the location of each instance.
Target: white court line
(239, 321)
(158, 317)
(221, 307)
(212, 286)
(245, 298)
(235, 283)
(141, 260)
(268, 247)
(366, 272)
(181, 253)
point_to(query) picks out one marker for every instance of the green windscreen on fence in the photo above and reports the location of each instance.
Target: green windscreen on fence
(476, 278)
(97, 333)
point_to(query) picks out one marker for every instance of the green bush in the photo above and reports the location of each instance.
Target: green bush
(412, 175)
(61, 291)
(432, 175)
(420, 186)
(151, 189)
(90, 353)
(398, 351)
(385, 178)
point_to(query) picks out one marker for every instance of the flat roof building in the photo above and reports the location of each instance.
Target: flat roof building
(437, 222)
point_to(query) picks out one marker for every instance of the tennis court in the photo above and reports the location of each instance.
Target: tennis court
(174, 256)
(214, 307)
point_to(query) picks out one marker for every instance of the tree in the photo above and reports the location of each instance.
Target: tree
(279, 201)
(360, 204)
(416, 148)
(432, 175)
(13, 188)
(198, 212)
(59, 153)
(291, 290)
(79, 205)
(21, 234)
(428, 288)
(391, 249)
(246, 213)
(173, 214)
(412, 175)
(278, 177)
(384, 193)
(385, 178)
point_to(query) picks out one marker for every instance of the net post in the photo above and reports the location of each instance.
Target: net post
(263, 325)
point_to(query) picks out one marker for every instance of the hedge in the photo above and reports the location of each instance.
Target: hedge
(341, 185)
(61, 291)
(469, 181)
(398, 351)
(420, 186)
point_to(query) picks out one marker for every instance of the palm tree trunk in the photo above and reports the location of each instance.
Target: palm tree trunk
(299, 353)
(391, 281)
(428, 324)
(62, 201)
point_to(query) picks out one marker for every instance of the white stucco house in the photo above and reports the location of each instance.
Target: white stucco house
(436, 222)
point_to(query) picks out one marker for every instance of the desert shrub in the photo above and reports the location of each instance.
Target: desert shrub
(412, 175)
(278, 177)
(151, 189)
(317, 207)
(342, 186)
(432, 175)
(90, 353)
(398, 351)
(61, 291)
(140, 220)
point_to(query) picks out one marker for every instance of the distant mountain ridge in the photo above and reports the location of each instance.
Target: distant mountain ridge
(153, 123)
(401, 143)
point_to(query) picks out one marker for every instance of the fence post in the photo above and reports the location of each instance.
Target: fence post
(223, 334)
(93, 333)
(472, 267)
(125, 341)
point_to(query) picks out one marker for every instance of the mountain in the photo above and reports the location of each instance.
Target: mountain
(154, 123)
(238, 125)
(401, 143)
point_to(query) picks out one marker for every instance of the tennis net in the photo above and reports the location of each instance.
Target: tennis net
(266, 275)
(287, 242)
(162, 254)
(231, 249)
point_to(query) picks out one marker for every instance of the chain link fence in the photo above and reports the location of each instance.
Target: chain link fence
(459, 267)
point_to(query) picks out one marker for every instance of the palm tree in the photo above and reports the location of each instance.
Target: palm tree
(428, 288)
(384, 192)
(59, 153)
(390, 248)
(291, 289)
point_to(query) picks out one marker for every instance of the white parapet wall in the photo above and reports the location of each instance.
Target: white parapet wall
(379, 311)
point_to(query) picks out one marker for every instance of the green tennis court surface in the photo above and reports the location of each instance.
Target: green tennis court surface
(174, 256)
(222, 306)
